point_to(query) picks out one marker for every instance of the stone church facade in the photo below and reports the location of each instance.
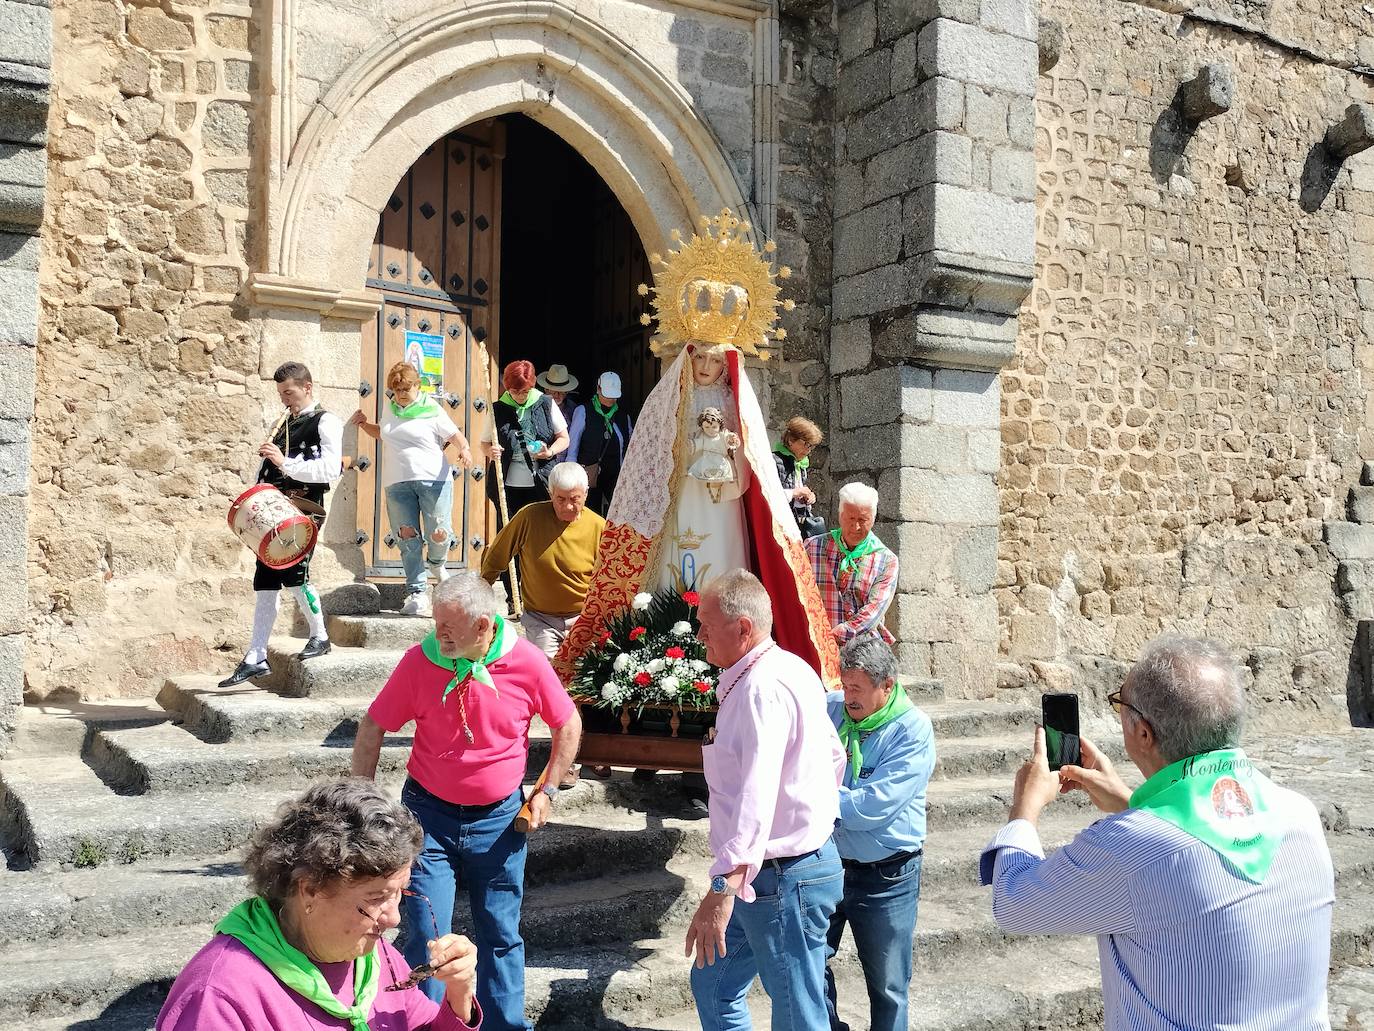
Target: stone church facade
(1095, 322)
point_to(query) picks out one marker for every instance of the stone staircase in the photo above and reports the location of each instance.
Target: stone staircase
(123, 827)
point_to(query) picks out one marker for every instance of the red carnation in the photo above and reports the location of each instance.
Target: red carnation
(637, 633)
(674, 653)
(605, 636)
(701, 686)
(643, 679)
(691, 597)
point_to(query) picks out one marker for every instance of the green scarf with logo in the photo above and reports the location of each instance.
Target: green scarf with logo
(782, 449)
(254, 924)
(1223, 801)
(850, 558)
(852, 733)
(606, 416)
(423, 407)
(463, 668)
(531, 399)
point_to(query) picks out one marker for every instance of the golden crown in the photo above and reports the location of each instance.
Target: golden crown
(716, 288)
(689, 541)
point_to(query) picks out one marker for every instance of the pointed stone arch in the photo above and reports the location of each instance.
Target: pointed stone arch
(542, 58)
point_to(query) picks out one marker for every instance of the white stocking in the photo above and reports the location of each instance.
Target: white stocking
(264, 615)
(311, 609)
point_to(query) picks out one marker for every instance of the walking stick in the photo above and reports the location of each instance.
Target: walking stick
(501, 507)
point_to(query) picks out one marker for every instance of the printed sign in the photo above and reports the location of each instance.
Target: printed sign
(425, 351)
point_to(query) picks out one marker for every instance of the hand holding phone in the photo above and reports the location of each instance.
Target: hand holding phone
(1059, 716)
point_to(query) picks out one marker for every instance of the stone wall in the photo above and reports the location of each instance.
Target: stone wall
(25, 56)
(151, 392)
(1189, 399)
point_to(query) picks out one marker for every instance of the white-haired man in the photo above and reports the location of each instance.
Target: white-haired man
(555, 542)
(773, 765)
(472, 687)
(1209, 888)
(856, 573)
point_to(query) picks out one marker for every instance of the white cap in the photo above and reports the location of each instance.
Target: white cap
(608, 386)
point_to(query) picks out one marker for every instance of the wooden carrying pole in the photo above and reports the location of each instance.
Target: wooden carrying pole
(501, 509)
(522, 818)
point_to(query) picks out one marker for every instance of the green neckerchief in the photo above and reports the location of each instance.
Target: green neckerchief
(782, 449)
(463, 668)
(423, 407)
(852, 734)
(254, 924)
(530, 399)
(606, 416)
(1223, 801)
(849, 558)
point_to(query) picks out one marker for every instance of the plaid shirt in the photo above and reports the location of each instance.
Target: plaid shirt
(857, 603)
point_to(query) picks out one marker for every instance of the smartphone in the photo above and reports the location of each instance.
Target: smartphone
(1059, 716)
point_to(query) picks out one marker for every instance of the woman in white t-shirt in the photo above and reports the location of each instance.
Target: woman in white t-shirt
(418, 478)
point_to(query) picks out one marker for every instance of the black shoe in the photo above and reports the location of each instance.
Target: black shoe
(315, 647)
(246, 671)
(644, 776)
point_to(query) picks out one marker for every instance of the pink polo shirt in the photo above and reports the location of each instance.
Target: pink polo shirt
(493, 765)
(774, 767)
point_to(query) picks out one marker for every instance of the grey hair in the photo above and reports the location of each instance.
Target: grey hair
(567, 476)
(342, 830)
(469, 593)
(1189, 690)
(741, 595)
(870, 655)
(860, 494)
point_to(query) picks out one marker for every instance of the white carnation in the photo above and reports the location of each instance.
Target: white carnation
(699, 666)
(681, 628)
(621, 661)
(641, 602)
(669, 685)
(655, 666)
(610, 691)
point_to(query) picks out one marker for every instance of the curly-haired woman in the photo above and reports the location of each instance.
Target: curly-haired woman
(306, 951)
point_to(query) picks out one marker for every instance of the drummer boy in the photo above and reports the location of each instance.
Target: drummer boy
(303, 457)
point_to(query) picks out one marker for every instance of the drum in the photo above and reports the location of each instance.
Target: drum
(272, 528)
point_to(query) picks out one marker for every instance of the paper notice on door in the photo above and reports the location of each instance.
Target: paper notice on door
(425, 351)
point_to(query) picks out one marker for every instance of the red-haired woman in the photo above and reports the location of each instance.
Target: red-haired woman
(530, 433)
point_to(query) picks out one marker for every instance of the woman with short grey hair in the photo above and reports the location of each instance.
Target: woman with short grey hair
(306, 951)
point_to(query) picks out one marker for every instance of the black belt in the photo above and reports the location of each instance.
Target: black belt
(897, 857)
(781, 863)
(414, 785)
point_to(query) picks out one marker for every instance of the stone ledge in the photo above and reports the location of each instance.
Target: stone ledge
(273, 291)
(23, 103)
(950, 338)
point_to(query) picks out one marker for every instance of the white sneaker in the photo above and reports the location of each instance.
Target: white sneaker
(441, 572)
(415, 605)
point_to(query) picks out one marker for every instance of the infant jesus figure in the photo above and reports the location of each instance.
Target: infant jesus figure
(713, 451)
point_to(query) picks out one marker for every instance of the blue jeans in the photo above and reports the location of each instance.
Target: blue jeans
(879, 904)
(406, 503)
(781, 937)
(479, 847)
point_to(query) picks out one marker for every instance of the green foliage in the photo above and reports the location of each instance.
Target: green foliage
(89, 853)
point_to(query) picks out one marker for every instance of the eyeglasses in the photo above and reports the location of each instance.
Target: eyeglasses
(424, 970)
(1115, 701)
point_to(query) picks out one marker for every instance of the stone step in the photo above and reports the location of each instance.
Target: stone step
(343, 673)
(979, 756)
(245, 713)
(385, 630)
(63, 813)
(168, 758)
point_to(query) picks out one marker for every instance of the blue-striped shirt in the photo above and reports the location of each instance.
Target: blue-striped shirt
(1184, 941)
(884, 811)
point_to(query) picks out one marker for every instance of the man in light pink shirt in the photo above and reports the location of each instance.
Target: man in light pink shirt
(773, 766)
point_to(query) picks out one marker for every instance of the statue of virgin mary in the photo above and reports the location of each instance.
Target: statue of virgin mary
(698, 493)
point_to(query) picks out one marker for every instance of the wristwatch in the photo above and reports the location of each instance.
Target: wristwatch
(720, 886)
(551, 790)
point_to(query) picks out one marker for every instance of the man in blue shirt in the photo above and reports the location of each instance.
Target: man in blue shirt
(882, 827)
(1209, 887)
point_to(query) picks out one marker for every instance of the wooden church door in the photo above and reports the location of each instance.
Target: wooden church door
(436, 260)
